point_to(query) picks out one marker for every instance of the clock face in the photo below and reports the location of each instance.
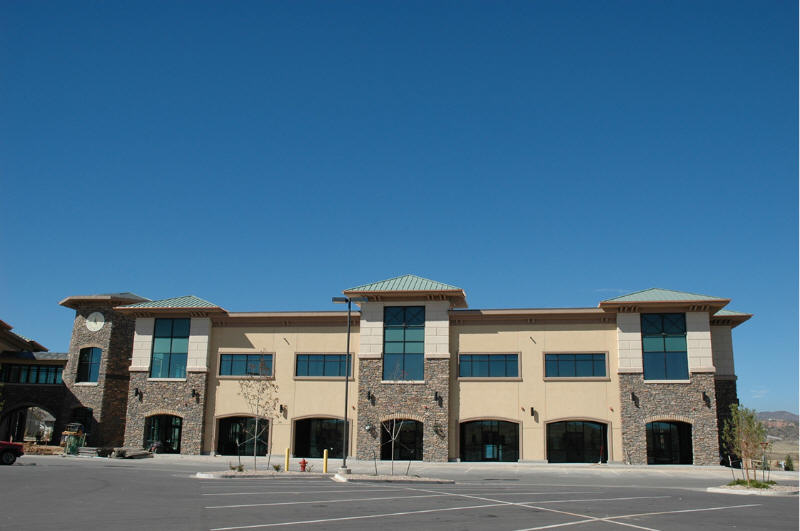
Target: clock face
(95, 321)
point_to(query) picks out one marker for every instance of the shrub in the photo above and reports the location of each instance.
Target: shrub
(789, 464)
(277, 468)
(753, 483)
(237, 468)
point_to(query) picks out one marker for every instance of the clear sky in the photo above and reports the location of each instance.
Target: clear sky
(267, 155)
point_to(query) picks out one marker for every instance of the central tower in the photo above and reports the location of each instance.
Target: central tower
(404, 367)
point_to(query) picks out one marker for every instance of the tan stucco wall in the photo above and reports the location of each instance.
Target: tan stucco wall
(303, 398)
(551, 400)
(722, 348)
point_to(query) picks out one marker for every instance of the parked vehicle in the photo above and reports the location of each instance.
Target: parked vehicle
(9, 451)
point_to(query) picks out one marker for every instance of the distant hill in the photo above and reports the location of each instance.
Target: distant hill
(778, 415)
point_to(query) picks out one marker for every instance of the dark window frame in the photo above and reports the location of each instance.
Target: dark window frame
(228, 362)
(304, 361)
(670, 361)
(13, 373)
(554, 361)
(474, 362)
(88, 371)
(175, 361)
(411, 364)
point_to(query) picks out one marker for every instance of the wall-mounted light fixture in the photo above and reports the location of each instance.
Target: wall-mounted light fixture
(533, 412)
(136, 392)
(436, 396)
(634, 399)
(706, 399)
(195, 394)
(370, 396)
(282, 408)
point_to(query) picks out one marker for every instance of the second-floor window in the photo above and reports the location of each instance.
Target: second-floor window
(403, 342)
(664, 346)
(488, 366)
(574, 365)
(88, 364)
(245, 365)
(32, 374)
(321, 365)
(170, 348)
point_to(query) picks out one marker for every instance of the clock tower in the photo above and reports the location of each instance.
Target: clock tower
(96, 373)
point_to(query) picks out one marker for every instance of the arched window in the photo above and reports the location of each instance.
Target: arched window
(669, 443)
(403, 438)
(489, 440)
(163, 433)
(577, 441)
(89, 364)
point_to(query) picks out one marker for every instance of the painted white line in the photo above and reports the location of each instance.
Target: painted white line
(333, 490)
(597, 499)
(611, 519)
(322, 501)
(344, 518)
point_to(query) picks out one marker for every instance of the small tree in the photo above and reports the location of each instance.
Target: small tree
(393, 428)
(789, 464)
(260, 393)
(743, 434)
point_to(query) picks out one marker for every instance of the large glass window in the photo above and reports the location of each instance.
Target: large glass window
(88, 364)
(574, 365)
(403, 342)
(577, 442)
(245, 365)
(669, 443)
(313, 436)
(162, 434)
(321, 365)
(664, 346)
(401, 438)
(170, 348)
(238, 434)
(488, 366)
(32, 374)
(489, 440)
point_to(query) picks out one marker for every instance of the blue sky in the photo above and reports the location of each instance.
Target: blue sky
(267, 155)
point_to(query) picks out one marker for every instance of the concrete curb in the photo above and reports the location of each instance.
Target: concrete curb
(359, 478)
(752, 492)
(259, 475)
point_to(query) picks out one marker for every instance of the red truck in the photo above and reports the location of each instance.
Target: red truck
(9, 451)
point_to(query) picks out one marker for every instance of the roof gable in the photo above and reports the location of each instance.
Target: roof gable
(405, 283)
(187, 301)
(663, 295)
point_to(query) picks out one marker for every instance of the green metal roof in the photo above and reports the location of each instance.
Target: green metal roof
(659, 295)
(723, 313)
(187, 301)
(405, 283)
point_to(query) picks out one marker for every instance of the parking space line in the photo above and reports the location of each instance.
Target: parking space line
(597, 499)
(346, 500)
(611, 519)
(362, 517)
(361, 489)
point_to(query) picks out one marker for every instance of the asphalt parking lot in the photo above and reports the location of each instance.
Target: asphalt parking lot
(71, 493)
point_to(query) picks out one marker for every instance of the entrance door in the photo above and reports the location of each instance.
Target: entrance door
(164, 431)
(236, 436)
(669, 443)
(577, 441)
(313, 436)
(404, 436)
(489, 440)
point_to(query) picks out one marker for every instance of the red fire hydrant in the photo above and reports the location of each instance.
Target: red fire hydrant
(303, 464)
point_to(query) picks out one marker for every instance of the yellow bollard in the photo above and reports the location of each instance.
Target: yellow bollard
(325, 461)
(286, 461)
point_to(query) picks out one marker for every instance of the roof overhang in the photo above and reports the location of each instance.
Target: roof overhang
(456, 297)
(202, 311)
(712, 305)
(730, 320)
(77, 301)
(321, 318)
(532, 316)
(17, 341)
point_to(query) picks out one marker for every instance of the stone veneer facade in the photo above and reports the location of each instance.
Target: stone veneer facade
(670, 402)
(404, 401)
(108, 396)
(167, 397)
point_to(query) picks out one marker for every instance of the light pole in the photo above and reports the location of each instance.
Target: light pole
(349, 301)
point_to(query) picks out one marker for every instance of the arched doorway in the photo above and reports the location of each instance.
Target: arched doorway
(237, 435)
(577, 441)
(28, 424)
(669, 443)
(163, 431)
(489, 440)
(403, 438)
(313, 436)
